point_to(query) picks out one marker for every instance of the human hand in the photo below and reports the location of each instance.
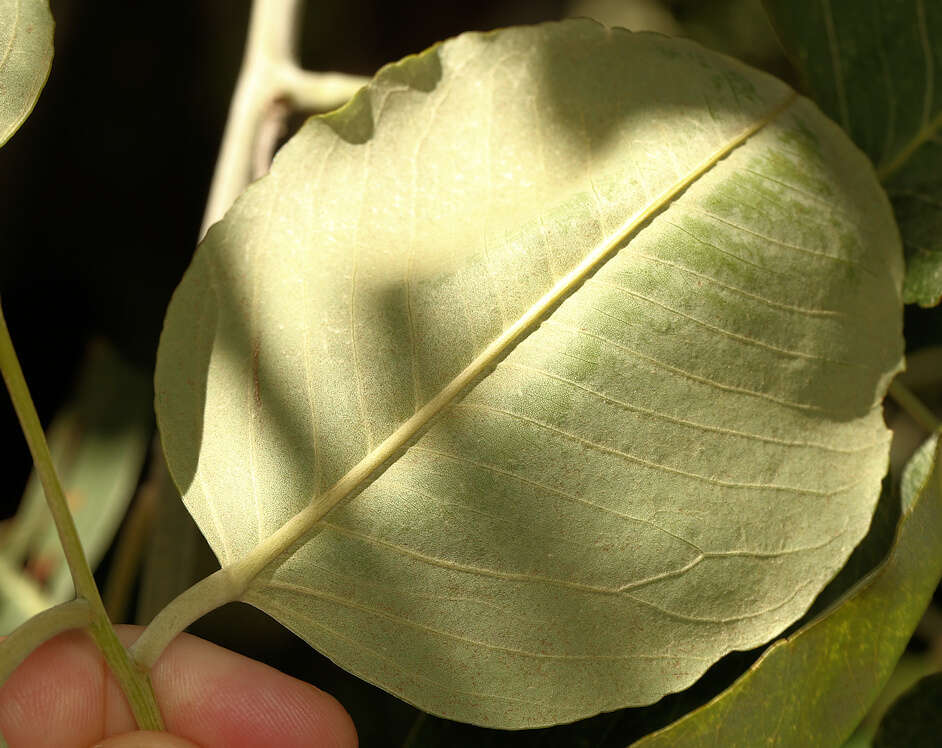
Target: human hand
(64, 696)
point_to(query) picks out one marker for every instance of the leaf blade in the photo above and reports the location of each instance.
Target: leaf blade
(820, 703)
(409, 290)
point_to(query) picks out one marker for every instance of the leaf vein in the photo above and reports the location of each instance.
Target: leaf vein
(723, 331)
(694, 424)
(657, 466)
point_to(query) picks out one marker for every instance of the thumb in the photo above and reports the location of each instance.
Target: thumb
(146, 739)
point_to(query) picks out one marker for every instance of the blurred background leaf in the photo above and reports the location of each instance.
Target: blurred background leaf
(871, 65)
(915, 719)
(98, 443)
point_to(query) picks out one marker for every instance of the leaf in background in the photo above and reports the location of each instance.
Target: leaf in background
(21, 597)
(875, 67)
(26, 28)
(911, 667)
(866, 556)
(815, 686)
(739, 28)
(915, 720)
(98, 443)
(583, 336)
(176, 556)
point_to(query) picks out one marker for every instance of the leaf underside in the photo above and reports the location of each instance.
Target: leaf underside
(875, 67)
(25, 58)
(583, 335)
(814, 687)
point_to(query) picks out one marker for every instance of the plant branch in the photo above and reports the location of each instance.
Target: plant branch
(318, 92)
(135, 684)
(270, 77)
(271, 43)
(915, 407)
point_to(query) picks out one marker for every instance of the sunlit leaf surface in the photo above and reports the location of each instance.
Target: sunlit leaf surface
(25, 58)
(814, 687)
(875, 67)
(582, 335)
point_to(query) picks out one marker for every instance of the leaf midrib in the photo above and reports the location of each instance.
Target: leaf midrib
(368, 469)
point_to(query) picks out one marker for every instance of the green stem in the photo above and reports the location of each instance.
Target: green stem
(36, 439)
(136, 684)
(915, 407)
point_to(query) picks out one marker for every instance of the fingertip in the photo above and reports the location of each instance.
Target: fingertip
(216, 697)
(331, 719)
(146, 739)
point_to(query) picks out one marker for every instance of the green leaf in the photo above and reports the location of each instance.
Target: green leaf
(579, 335)
(814, 687)
(915, 720)
(910, 668)
(875, 66)
(25, 59)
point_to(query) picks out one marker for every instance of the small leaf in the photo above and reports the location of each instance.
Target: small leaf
(25, 59)
(815, 686)
(915, 719)
(581, 337)
(876, 68)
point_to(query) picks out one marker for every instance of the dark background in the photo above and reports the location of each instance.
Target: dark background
(103, 191)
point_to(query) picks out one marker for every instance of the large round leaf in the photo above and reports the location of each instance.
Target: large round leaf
(581, 337)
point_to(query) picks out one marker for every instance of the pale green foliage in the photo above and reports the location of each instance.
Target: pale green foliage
(655, 461)
(25, 58)
(814, 687)
(876, 68)
(99, 442)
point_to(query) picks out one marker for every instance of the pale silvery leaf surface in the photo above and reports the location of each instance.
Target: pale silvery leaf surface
(25, 58)
(583, 334)
(815, 687)
(875, 67)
